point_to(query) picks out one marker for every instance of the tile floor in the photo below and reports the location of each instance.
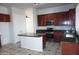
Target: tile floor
(15, 49)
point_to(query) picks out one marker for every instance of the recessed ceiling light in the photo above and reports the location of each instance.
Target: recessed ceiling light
(37, 4)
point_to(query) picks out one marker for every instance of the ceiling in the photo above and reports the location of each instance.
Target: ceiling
(35, 5)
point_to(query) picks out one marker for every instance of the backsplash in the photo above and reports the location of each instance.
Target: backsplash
(55, 27)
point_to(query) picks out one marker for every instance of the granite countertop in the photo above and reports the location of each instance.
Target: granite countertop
(31, 34)
(43, 31)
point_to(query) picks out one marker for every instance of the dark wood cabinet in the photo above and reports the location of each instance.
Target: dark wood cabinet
(59, 18)
(72, 16)
(77, 49)
(68, 48)
(50, 16)
(4, 18)
(58, 36)
(7, 18)
(41, 20)
(1, 17)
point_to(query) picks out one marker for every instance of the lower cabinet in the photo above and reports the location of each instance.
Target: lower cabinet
(68, 48)
(77, 47)
(58, 36)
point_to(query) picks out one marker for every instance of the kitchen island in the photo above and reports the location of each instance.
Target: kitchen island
(33, 41)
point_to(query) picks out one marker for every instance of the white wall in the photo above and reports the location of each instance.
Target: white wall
(9, 31)
(18, 23)
(35, 19)
(31, 22)
(3, 10)
(77, 18)
(33, 43)
(55, 9)
(4, 27)
(4, 32)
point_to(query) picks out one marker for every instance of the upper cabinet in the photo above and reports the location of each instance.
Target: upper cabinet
(72, 16)
(4, 18)
(59, 19)
(41, 20)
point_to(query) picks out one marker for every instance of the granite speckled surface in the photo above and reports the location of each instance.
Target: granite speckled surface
(15, 49)
(31, 34)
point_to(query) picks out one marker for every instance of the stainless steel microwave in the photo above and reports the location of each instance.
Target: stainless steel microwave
(49, 23)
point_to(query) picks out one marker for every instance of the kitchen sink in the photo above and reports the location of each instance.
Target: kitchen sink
(69, 35)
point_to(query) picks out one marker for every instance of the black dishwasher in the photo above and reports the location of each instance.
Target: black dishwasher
(49, 34)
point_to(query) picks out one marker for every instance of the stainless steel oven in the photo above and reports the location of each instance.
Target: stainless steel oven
(49, 22)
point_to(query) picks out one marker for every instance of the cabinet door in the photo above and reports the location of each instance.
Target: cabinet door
(7, 18)
(60, 18)
(77, 49)
(50, 16)
(72, 16)
(58, 36)
(4, 18)
(1, 17)
(68, 48)
(41, 20)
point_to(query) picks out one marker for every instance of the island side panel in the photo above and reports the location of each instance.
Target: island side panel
(33, 43)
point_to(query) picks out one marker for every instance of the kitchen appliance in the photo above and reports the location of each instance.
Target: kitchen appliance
(49, 34)
(49, 22)
(70, 36)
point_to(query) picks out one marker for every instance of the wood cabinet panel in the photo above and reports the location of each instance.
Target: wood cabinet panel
(51, 16)
(4, 18)
(58, 36)
(41, 20)
(71, 17)
(77, 49)
(7, 18)
(68, 48)
(1, 17)
(59, 18)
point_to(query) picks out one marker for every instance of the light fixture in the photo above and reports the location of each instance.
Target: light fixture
(67, 22)
(36, 4)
